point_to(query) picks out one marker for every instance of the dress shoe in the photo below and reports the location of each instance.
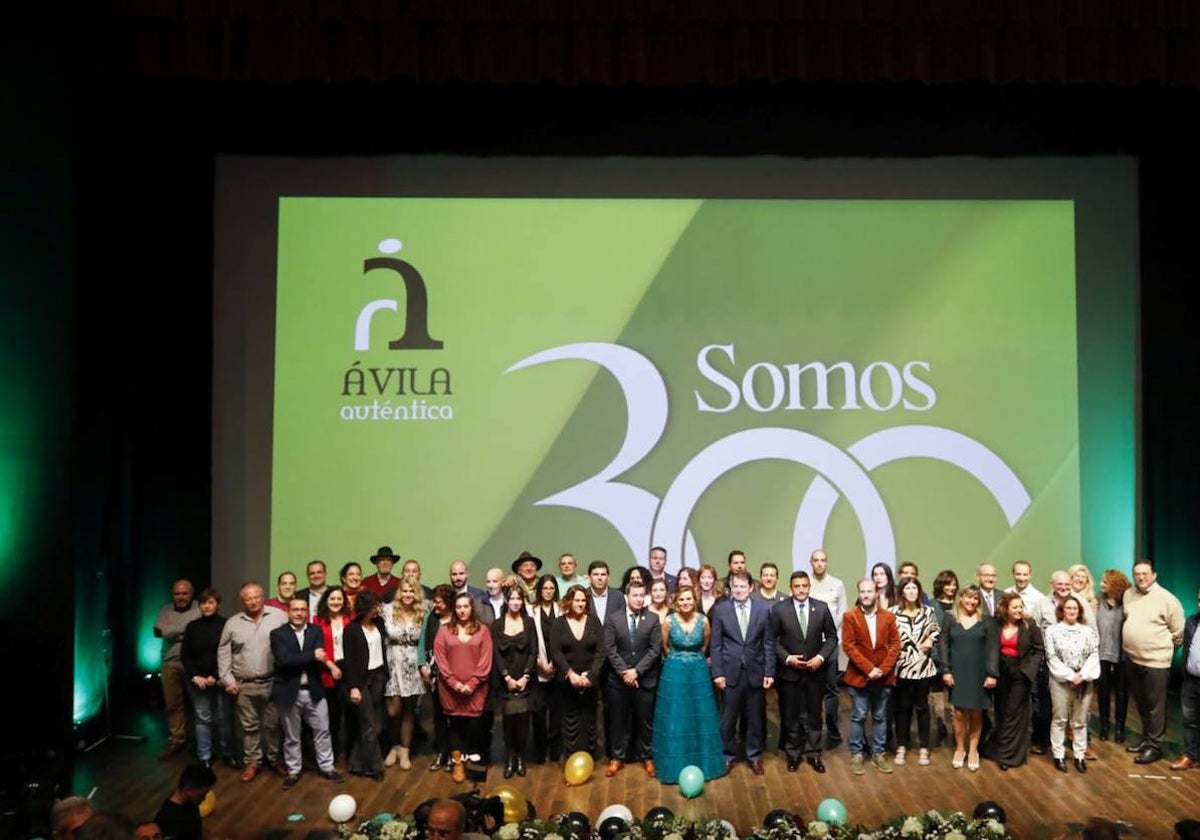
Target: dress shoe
(290, 781)
(756, 766)
(649, 765)
(1148, 756)
(440, 760)
(793, 764)
(1081, 765)
(1004, 765)
(614, 767)
(520, 766)
(1119, 734)
(1037, 749)
(333, 776)
(815, 763)
(249, 773)
(510, 767)
(1185, 763)
(1140, 746)
(1060, 764)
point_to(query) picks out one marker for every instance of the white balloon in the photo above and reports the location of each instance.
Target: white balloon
(342, 808)
(615, 811)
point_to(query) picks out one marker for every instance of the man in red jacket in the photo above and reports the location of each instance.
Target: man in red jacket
(872, 644)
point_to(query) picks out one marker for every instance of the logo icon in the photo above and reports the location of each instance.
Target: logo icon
(416, 304)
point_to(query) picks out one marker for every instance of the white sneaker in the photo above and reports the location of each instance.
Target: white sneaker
(923, 758)
(900, 756)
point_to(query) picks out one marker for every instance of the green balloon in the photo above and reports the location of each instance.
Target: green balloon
(691, 781)
(831, 811)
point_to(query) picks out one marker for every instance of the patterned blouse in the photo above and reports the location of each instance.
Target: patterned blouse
(1072, 649)
(914, 663)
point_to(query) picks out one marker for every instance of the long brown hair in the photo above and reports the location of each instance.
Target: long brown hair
(472, 624)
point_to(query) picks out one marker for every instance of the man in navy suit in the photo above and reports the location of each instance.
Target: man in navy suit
(633, 648)
(743, 667)
(658, 568)
(458, 581)
(299, 652)
(805, 638)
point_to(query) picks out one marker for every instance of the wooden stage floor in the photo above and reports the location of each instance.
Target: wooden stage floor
(1041, 802)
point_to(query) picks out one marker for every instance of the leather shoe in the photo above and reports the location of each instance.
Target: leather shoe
(1136, 748)
(793, 764)
(1148, 756)
(1037, 749)
(614, 767)
(281, 770)
(1185, 763)
(333, 776)
(1060, 764)
(290, 782)
(816, 764)
(756, 766)
(649, 765)
(1081, 765)
(249, 773)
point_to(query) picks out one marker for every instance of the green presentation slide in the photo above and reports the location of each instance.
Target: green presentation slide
(474, 378)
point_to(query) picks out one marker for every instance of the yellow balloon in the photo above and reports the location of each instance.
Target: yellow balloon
(516, 807)
(578, 768)
(208, 804)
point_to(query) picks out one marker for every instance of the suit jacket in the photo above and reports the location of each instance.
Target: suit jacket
(821, 639)
(671, 580)
(354, 646)
(616, 603)
(484, 611)
(292, 660)
(643, 651)
(474, 591)
(1031, 651)
(1189, 630)
(997, 594)
(734, 658)
(862, 654)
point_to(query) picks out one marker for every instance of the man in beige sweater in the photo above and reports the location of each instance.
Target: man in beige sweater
(1152, 631)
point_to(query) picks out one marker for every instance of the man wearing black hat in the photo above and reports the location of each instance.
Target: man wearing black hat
(527, 567)
(383, 583)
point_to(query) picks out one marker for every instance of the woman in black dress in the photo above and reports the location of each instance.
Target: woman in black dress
(364, 679)
(969, 654)
(547, 717)
(1020, 643)
(514, 675)
(577, 648)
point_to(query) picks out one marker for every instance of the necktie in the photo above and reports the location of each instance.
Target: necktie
(804, 619)
(742, 619)
(633, 617)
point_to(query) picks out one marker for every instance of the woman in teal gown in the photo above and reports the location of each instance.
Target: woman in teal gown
(687, 729)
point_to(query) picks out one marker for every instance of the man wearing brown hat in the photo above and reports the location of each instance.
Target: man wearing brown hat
(383, 583)
(527, 567)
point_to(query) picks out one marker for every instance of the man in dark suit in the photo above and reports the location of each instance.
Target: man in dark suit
(490, 605)
(299, 652)
(602, 599)
(633, 648)
(658, 567)
(743, 667)
(458, 581)
(805, 637)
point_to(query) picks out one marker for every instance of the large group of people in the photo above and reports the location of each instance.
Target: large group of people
(671, 670)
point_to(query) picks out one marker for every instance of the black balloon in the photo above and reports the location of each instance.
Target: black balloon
(777, 819)
(659, 814)
(989, 810)
(612, 828)
(578, 824)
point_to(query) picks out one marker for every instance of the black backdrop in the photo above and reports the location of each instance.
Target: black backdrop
(118, 151)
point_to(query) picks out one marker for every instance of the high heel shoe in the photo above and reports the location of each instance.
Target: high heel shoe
(973, 764)
(393, 754)
(957, 761)
(520, 766)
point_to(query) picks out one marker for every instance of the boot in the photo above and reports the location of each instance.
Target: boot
(392, 755)
(520, 765)
(404, 760)
(510, 767)
(459, 773)
(1103, 730)
(1119, 732)
(440, 760)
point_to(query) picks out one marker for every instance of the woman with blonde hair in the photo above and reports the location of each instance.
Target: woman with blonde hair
(404, 622)
(1082, 586)
(710, 589)
(970, 655)
(1111, 685)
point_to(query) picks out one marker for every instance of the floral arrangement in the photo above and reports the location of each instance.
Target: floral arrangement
(382, 827)
(931, 824)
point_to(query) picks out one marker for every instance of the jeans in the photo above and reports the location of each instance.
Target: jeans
(212, 705)
(1189, 696)
(874, 699)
